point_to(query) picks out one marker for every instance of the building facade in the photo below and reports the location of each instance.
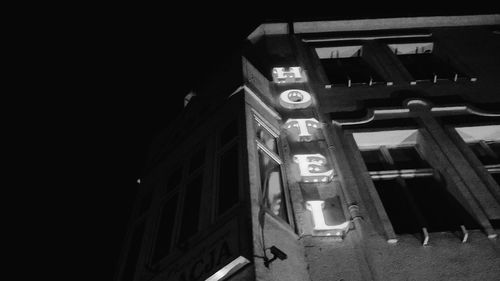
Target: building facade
(332, 150)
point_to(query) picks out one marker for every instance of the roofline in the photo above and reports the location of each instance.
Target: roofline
(373, 24)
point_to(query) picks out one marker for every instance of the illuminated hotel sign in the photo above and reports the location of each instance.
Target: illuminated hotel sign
(313, 168)
(293, 74)
(293, 99)
(316, 208)
(303, 129)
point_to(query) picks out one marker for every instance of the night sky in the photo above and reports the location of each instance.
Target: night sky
(145, 58)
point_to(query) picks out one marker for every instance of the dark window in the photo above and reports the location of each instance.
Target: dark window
(496, 177)
(349, 71)
(346, 66)
(440, 209)
(487, 152)
(145, 202)
(228, 179)
(374, 160)
(133, 253)
(165, 230)
(191, 210)
(429, 67)
(174, 179)
(397, 206)
(197, 159)
(229, 132)
(495, 147)
(424, 64)
(407, 158)
(413, 196)
(495, 223)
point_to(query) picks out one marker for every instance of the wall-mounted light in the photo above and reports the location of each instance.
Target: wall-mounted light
(277, 254)
(312, 168)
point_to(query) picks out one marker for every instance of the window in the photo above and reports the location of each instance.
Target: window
(191, 210)
(228, 168)
(179, 218)
(228, 179)
(198, 158)
(414, 195)
(145, 202)
(423, 64)
(165, 231)
(271, 177)
(345, 66)
(484, 142)
(174, 178)
(133, 253)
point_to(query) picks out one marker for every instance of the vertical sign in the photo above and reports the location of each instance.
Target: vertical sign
(312, 167)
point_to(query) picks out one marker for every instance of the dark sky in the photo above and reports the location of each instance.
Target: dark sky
(145, 62)
(149, 62)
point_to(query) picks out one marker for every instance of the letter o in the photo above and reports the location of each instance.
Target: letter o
(294, 98)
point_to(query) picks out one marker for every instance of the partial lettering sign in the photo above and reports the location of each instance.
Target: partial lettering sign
(291, 75)
(303, 128)
(312, 168)
(295, 99)
(316, 208)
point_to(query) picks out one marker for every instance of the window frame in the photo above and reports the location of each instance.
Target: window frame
(430, 48)
(277, 158)
(358, 46)
(401, 175)
(221, 149)
(179, 190)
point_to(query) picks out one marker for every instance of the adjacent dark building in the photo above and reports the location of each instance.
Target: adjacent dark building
(332, 150)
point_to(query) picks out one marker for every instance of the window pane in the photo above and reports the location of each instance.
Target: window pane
(340, 70)
(397, 206)
(145, 202)
(481, 153)
(495, 223)
(407, 158)
(495, 146)
(174, 178)
(419, 66)
(228, 179)
(197, 159)
(265, 137)
(165, 230)
(496, 177)
(191, 210)
(439, 208)
(374, 160)
(133, 254)
(272, 186)
(335, 71)
(424, 66)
